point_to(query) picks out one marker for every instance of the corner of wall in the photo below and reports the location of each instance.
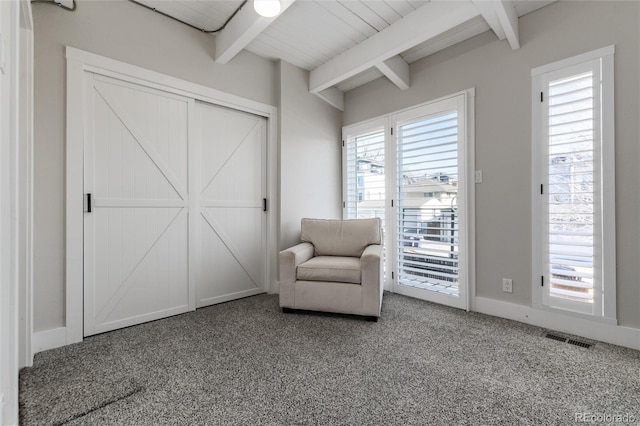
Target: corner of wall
(310, 154)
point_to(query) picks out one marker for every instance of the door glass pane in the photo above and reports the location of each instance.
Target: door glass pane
(365, 176)
(427, 222)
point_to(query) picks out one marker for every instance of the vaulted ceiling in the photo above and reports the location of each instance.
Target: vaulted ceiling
(347, 43)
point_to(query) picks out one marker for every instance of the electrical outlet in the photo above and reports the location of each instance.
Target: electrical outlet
(507, 285)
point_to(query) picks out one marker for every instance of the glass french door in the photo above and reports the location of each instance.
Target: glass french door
(365, 176)
(409, 169)
(430, 243)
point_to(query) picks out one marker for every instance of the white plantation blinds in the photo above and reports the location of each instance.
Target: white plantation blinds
(427, 214)
(365, 177)
(574, 211)
(573, 117)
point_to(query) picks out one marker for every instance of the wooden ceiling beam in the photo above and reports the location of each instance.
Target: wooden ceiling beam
(424, 24)
(508, 17)
(333, 96)
(396, 69)
(242, 29)
(488, 11)
(502, 17)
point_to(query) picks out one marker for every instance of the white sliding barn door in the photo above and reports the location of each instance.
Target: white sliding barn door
(177, 214)
(136, 254)
(232, 185)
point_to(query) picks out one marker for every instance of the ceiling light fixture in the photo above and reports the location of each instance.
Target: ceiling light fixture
(267, 8)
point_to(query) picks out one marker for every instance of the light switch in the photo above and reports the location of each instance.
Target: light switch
(478, 176)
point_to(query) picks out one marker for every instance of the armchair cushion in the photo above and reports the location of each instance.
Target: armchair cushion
(330, 268)
(346, 238)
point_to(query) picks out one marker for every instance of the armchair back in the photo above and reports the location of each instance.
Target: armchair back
(341, 237)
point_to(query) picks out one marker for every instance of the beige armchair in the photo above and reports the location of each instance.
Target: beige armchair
(336, 268)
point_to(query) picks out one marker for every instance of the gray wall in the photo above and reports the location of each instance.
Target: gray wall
(130, 33)
(310, 169)
(310, 155)
(503, 132)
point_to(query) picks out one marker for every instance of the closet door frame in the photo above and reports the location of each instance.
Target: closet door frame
(80, 62)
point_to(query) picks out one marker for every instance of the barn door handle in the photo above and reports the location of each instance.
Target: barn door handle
(88, 203)
(264, 204)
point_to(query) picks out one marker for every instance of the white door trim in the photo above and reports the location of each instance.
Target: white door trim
(16, 134)
(25, 182)
(78, 62)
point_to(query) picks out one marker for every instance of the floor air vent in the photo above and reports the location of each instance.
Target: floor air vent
(579, 343)
(567, 340)
(555, 337)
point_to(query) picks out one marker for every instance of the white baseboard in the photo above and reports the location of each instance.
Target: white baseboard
(49, 339)
(614, 334)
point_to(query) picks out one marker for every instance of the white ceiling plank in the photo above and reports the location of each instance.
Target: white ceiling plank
(324, 34)
(402, 7)
(314, 32)
(290, 48)
(333, 97)
(322, 30)
(418, 3)
(350, 18)
(488, 10)
(242, 29)
(340, 23)
(508, 18)
(287, 36)
(366, 14)
(384, 11)
(397, 70)
(425, 23)
(275, 50)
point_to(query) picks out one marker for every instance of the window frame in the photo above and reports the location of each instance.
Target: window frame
(605, 256)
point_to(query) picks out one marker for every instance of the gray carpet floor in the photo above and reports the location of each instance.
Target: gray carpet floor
(246, 363)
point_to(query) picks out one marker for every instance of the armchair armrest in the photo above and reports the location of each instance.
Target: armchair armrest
(370, 264)
(372, 253)
(289, 259)
(371, 269)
